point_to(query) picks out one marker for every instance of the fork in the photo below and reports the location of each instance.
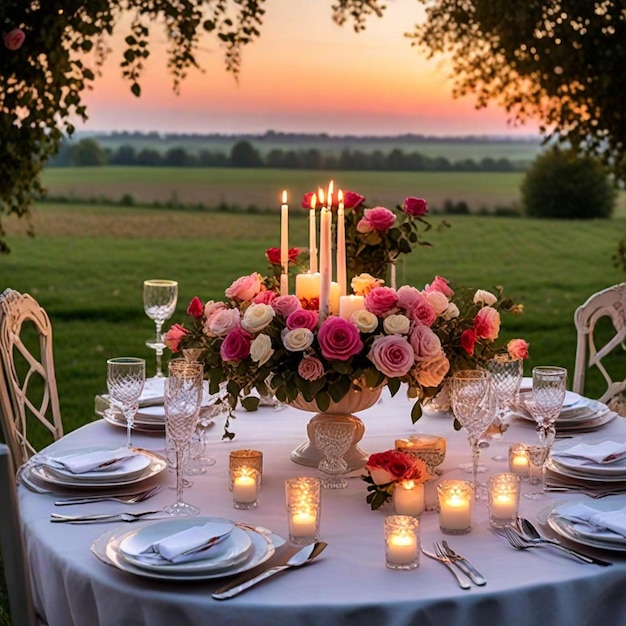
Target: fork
(462, 563)
(106, 517)
(126, 498)
(442, 558)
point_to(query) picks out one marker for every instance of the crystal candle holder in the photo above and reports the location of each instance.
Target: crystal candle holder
(503, 499)
(251, 459)
(246, 483)
(408, 498)
(455, 506)
(303, 502)
(518, 460)
(402, 542)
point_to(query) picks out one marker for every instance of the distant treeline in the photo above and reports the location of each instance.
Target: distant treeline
(88, 152)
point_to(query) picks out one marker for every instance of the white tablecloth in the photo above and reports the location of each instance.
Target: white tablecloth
(349, 584)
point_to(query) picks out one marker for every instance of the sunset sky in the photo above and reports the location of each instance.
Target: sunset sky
(306, 74)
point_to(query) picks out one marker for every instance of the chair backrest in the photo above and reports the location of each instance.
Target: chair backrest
(611, 303)
(16, 571)
(28, 389)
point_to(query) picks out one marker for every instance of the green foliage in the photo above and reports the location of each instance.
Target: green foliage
(562, 185)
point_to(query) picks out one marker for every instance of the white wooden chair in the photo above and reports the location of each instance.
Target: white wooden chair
(28, 390)
(611, 303)
(14, 562)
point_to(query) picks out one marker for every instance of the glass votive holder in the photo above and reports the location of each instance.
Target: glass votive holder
(455, 506)
(518, 460)
(303, 502)
(252, 459)
(503, 499)
(402, 542)
(246, 484)
(408, 498)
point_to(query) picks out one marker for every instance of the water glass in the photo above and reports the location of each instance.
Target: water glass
(537, 457)
(333, 438)
(402, 542)
(126, 377)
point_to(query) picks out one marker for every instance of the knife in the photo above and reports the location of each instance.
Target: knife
(297, 558)
(464, 565)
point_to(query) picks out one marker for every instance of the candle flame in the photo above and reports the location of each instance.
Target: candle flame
(320, 194)
(284, 196)
(330, 194)
(313, 201)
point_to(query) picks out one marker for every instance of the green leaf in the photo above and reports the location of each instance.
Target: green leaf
(250, 403)
(394, 385)
(136, 89)
(416, 412)
(323, 400)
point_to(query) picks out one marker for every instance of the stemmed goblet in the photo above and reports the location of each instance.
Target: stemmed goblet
(333, 439)
(506, 379)
(473, 405)
(183, 397)
(159, 303)
(126, 377)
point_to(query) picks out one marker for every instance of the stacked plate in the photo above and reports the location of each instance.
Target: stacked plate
(136, 468)
(243, 549)
(585, 533)
(578, 413)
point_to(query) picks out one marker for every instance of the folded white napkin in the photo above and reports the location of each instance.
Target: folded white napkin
(602, 453)
(611, 520)
(190, 544)
(98, 460)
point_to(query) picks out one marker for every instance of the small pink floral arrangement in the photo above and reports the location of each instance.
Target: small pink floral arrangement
(386, 469)
(257, 339)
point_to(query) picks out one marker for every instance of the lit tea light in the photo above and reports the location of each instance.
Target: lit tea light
(455, 506)
(408, 498)
(303, 524)
(518, 460)
(245, 488)
(402, 544)
(503, 499)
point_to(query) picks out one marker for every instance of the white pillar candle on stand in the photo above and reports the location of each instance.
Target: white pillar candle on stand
(349, 305)
(284, 246)
(325, 263)
(313, 236)
(341, 247)
(308, 286)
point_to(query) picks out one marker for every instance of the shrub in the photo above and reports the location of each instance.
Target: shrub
(562, 185)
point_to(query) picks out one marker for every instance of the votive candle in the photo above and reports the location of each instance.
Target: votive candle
(245, 488)
(308, 285)
(518, 459)
(349, 305)
(401, 542)
(408, 498)
(503, 499)
(455, 506)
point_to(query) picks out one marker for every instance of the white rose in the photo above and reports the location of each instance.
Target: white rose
(298, 339)
(257, 317)
(397, 324)
(484, 297)
(221, 322)
(365, 321)
(261, 349)
(438, 301)
(451, 312)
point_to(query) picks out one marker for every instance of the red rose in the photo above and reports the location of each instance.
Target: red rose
(415, 207)
(468, 341)
(173, 336)
(306, 199)
(273, 255)
(14, 39)
(352, 200)
(390, 466)
(195, 308)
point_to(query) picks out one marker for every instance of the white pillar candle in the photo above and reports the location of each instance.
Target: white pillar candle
(325, 263)
(313, 236)
(402, 547)
(504, 505)
(334, 298)
(308, 286)
(245, 487)
(455, 512)
(518, 460)
(341, 246)
(349, 305)
(284, 246)
(303, 524)
(408, 498)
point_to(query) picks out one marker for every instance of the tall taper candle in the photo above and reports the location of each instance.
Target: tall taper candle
(284, 246)
(325, 263)
(341, 246)
(313, 236)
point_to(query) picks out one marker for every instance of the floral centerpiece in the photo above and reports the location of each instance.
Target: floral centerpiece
(386, 469)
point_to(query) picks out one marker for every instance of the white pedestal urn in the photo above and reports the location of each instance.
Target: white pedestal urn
(356, 400)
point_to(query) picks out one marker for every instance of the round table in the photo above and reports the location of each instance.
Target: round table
(349, 583)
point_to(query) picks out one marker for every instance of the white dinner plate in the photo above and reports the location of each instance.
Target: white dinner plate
(572, 530)
(140, 425)
(156, 465)
(233, 550)
(586, 467)
(553, 465)
(106, 549)
(130, 468)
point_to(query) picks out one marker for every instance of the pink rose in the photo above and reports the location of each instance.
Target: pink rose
(14, 39)
(302, 318)
(487, 323)
(392, 355)
(221, 322)
(236, 345)
(245, 288)
(415, 206)
(431, 372)
(517, 349)
(438, 301)
(310, 368)
(264, 297)
(422, 311)
(390, 466)
(468, 341)
(284, 305)
(173, 337)
(306, 199)
(407, 296)
(425, 343)
(195, 308)
(352, 200)
(381, 301)
(339, 339)
(211, 306)
(440, 284)
(379, 218)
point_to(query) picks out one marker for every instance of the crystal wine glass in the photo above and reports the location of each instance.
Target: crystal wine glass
(159, 303)
(126, 377)
(473, 405)
(333, 439)
(183, 397)
(537, 456)
(506, 379)
(548, 393)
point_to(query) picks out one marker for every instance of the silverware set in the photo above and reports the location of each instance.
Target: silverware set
(133, 497)
(108, 517)
(462, 570)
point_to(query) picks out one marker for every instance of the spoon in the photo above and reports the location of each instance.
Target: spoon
(302, 557)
